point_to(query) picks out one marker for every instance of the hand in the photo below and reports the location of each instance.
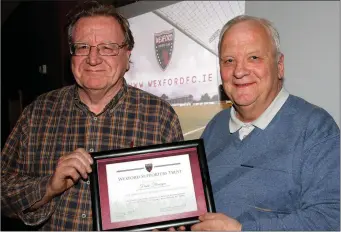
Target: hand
(217, 221)
(69, 170)
(180, 228)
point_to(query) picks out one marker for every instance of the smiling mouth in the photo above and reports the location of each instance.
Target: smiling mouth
(243, 85)
(94, 70)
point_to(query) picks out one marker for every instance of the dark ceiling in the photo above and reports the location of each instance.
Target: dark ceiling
(8, 6)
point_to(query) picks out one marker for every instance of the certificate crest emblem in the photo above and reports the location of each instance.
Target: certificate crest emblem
(164, 43)
(149, 167)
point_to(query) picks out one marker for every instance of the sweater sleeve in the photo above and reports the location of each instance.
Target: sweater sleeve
(319, 203)
(20, 189)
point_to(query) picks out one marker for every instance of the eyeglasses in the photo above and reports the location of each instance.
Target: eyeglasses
(104, 49)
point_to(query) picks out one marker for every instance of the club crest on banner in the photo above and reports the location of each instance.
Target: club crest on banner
(164, 44)
(149, 167)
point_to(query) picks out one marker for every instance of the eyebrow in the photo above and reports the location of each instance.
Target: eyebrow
(255, 51)
(247, 53)
(98, 43)
(225, 56)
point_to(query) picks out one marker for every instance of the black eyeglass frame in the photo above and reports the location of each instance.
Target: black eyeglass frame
(119, 47)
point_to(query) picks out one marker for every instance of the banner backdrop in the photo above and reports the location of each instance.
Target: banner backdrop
(176, 57)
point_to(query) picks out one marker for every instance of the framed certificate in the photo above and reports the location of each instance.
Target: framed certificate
(151, 187)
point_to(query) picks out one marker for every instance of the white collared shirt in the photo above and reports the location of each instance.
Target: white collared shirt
(263, 121)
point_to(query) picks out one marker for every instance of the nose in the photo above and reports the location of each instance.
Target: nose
(240, 70)
(94, 58)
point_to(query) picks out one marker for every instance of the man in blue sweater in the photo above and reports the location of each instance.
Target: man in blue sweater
(274, 158)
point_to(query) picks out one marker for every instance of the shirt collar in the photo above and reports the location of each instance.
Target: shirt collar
(262, 121)
(110, 105)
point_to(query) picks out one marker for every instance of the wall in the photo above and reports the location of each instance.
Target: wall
(30, 38)
(310, 41)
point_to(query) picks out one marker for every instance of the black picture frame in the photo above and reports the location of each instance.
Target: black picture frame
(196, 147)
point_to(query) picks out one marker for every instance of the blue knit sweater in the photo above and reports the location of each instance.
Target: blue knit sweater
(286, 177)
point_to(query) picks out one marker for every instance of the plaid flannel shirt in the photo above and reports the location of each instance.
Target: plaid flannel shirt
(58, 123)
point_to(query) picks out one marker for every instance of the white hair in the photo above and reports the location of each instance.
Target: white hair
(266, 23)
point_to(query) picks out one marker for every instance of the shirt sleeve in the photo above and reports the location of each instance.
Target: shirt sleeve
(19, 188)
(170, 126)
(319, 203)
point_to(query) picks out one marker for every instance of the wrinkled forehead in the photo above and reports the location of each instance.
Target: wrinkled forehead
(247, 33)
(97, 26)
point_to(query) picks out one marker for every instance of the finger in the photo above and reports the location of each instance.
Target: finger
(76, 164)
(86, 155)
(197, 226)
(207, 216)
(182, 228)
(78, 157)
(79, 151)
(85, 162)
(74, 175)
(85, 158)
(171, 229)
(212, 216)
(206, 225)
(70, 173)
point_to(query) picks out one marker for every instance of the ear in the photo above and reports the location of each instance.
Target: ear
(128, 62)
(280, 66)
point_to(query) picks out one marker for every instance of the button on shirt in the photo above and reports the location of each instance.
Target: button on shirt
(58, 123)
(262, 122)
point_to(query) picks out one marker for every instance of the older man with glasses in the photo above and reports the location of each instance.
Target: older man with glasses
(46, 160)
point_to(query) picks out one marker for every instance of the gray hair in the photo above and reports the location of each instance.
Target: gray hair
(266, 23)
(95, 8)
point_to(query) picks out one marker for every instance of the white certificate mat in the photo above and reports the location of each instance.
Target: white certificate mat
(150, 188)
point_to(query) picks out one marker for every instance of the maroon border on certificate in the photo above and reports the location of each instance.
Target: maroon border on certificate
(104, 197)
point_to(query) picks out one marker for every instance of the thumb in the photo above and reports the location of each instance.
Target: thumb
(206, 216)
